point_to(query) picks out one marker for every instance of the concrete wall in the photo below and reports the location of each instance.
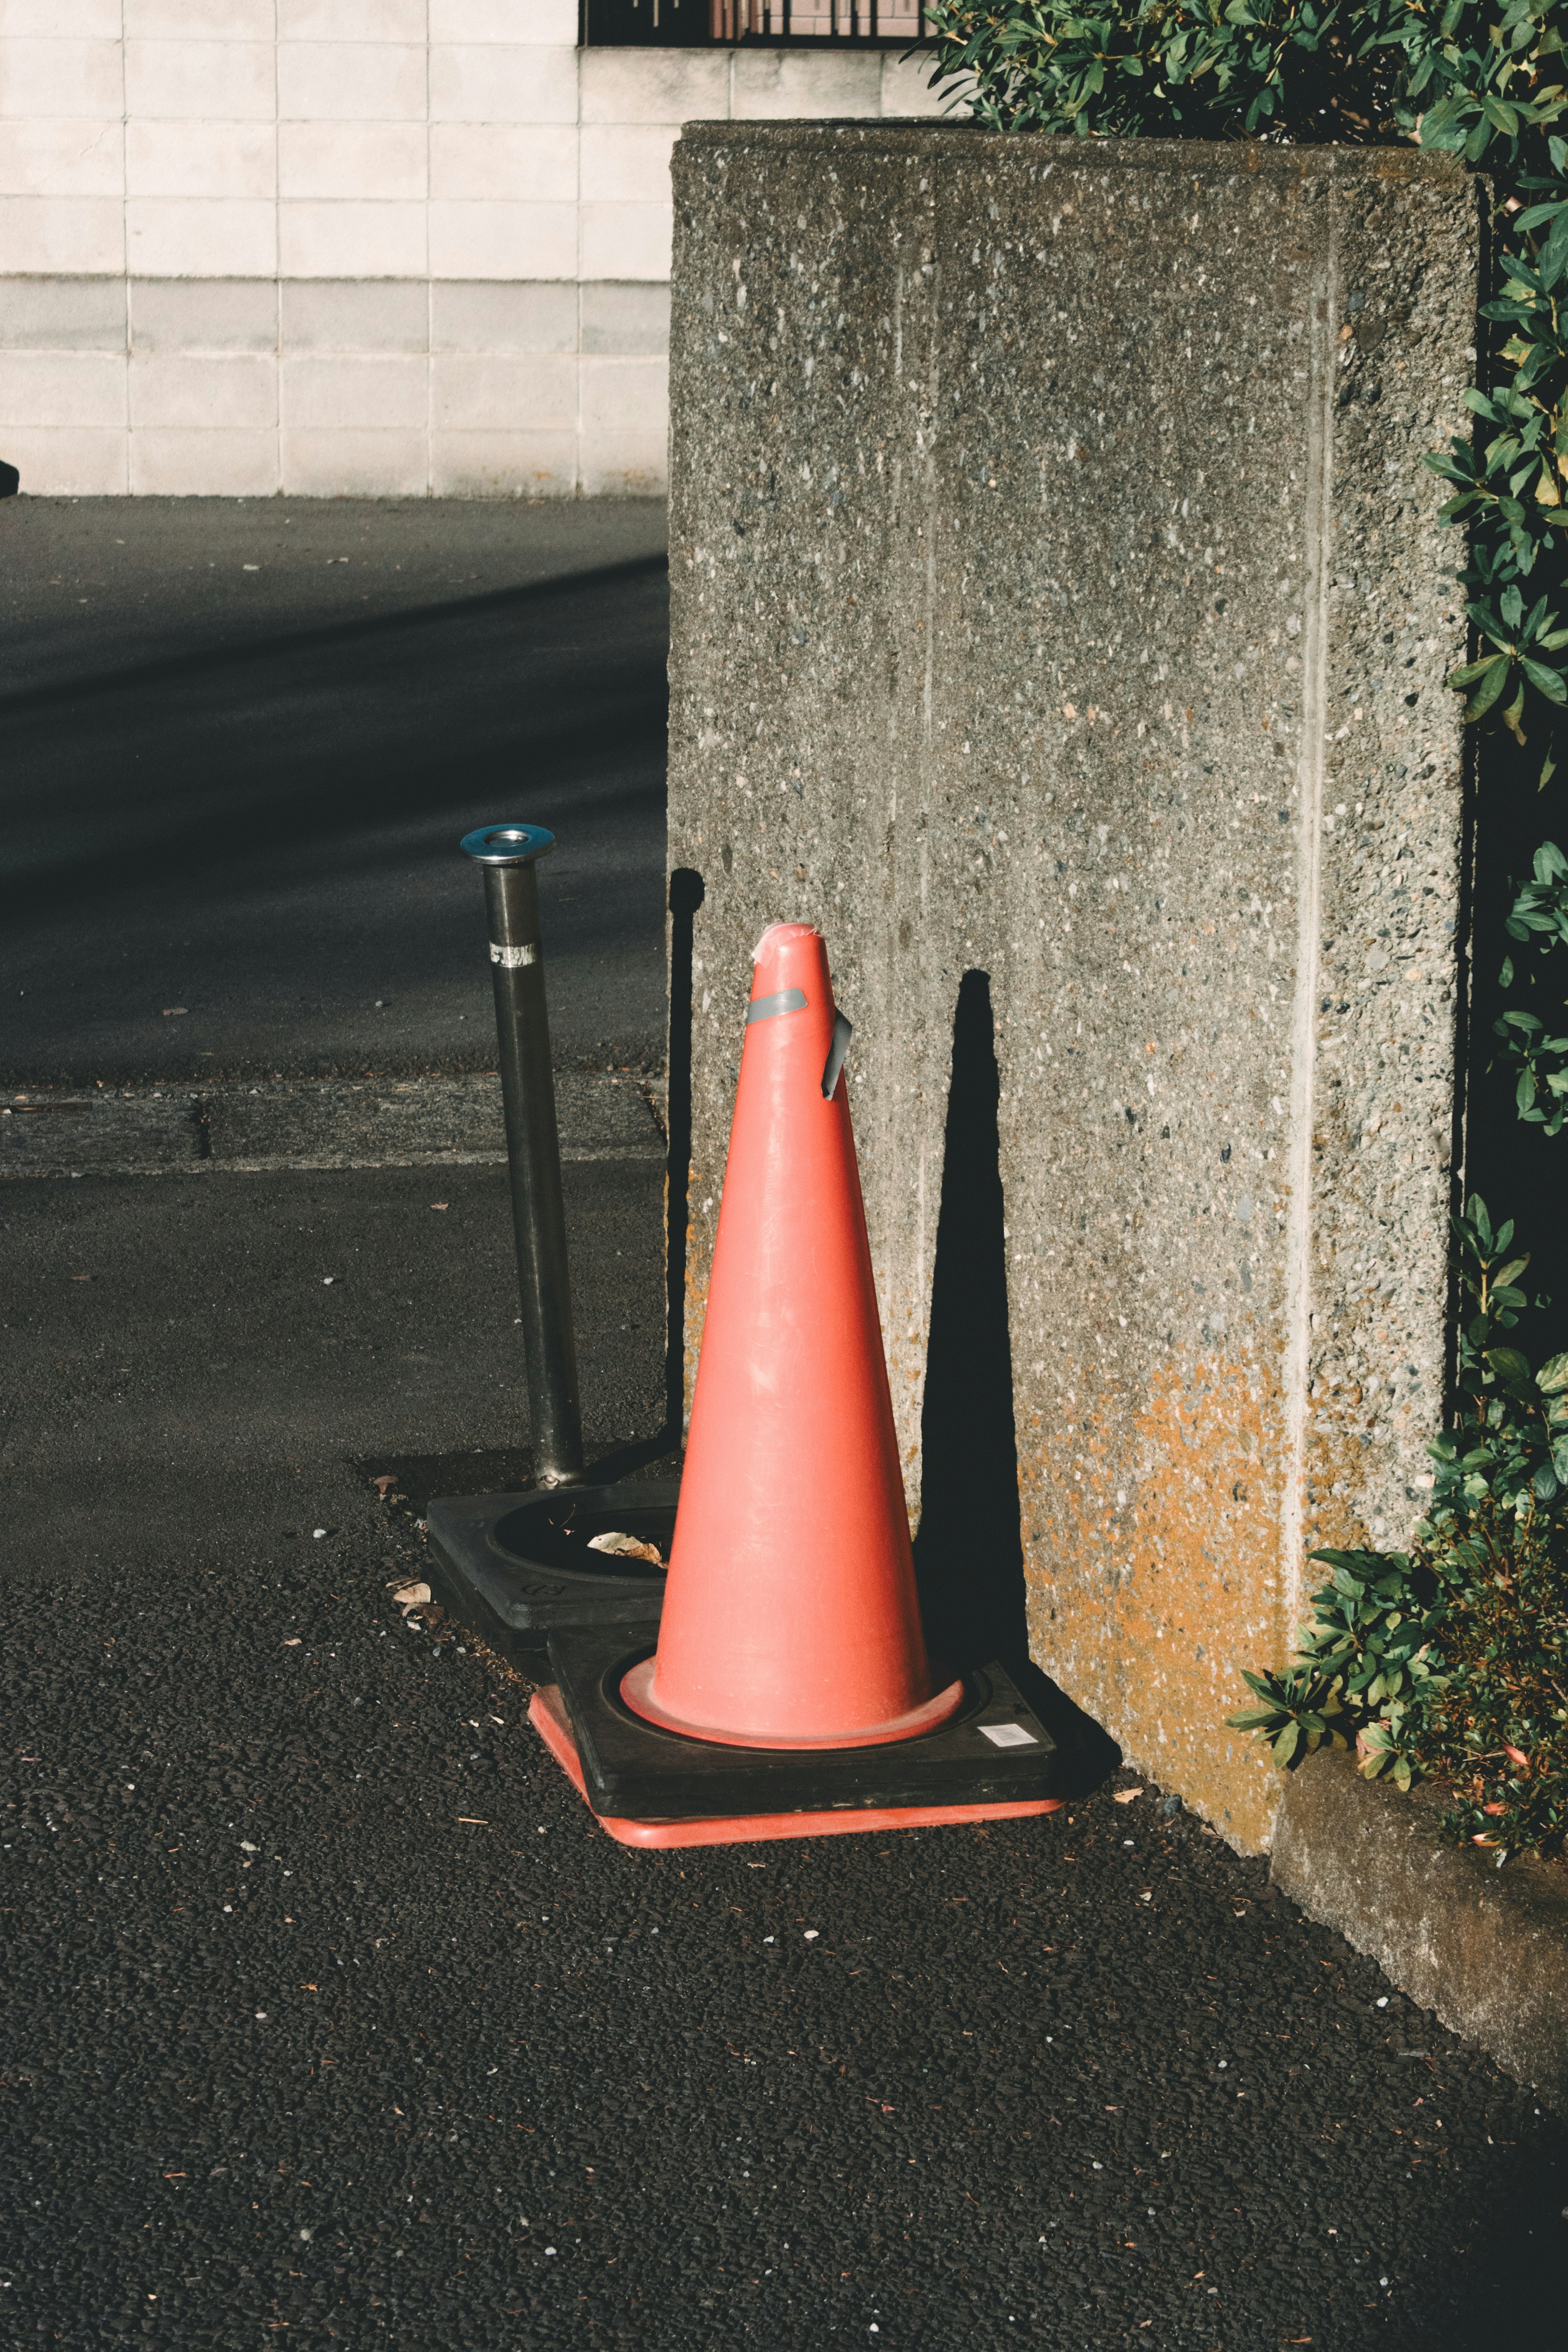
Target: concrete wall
(1059, 597)
(368, 246)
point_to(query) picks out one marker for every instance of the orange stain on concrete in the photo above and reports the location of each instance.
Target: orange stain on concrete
(1147, 1609)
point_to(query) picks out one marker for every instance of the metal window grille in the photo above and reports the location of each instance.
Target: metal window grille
(733, 23)
(817, 20)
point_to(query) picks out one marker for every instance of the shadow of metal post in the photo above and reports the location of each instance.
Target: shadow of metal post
(687, 893)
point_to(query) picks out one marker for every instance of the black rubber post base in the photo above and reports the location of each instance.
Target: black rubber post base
(994, 1750)
(514, 1568)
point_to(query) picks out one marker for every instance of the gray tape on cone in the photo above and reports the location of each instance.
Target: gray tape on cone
(768, 1008)
(843, 1031)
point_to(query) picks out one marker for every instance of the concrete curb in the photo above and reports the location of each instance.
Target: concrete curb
(1487, 1950)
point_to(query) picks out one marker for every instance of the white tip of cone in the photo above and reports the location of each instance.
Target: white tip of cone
(795, 931)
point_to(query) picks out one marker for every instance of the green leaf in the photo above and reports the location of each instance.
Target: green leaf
(1472, 670)
(1549, 682)
(1512, 1370)
(1487, 692)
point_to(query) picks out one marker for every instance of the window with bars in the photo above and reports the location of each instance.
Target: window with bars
(728, 24)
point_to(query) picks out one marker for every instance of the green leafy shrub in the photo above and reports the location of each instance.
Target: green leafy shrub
(1493, 1721)
(1540, 913)
(1450, 1661)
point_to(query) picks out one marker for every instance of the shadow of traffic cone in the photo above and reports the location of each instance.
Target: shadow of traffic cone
(789, 1694)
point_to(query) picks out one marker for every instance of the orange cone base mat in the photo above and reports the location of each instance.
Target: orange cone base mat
(636, 1689)
(548, 1716)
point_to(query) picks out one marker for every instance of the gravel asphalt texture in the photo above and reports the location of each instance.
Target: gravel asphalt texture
(331, 2017)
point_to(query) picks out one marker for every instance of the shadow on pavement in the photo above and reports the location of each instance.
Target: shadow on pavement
(325, 636)
(242, 860)
(969, 1553)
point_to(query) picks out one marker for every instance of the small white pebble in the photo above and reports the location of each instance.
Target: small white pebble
(261, 2017)
(811, 1935)
(1383, 2001)
(318, 1533)
(328, 1278)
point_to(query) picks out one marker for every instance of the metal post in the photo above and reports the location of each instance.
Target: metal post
(508, 854)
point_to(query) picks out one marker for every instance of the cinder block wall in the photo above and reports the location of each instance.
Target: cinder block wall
(365, 247)
(1058, 616)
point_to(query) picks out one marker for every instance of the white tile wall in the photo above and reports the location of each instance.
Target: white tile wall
(355, 465)
(470, 393)
(70, 463)
(627, 240)
(63, 314)
(534, 163)
(201, 20)
(353, 247)
(61, 20)
(69, 77)
(655, 85)
(204, 160)
(379, 392)
(228, 81)
(57, 156)
(511, 465)
(76, 388)
(351, 20)
(196, 315)
(331, 82)
(173, 388)
(41, 234)
(503, 20)
(337, 314)
(201, 461)
(351, 240)
(622, 161)
(386, 161)
(501, 241)
(500, 84)
(781, 84)
(194, 236)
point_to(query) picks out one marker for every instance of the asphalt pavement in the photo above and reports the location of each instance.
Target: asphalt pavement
(243, 739)
(332, 2017)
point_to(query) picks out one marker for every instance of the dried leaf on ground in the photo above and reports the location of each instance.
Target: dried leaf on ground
(627, 1548)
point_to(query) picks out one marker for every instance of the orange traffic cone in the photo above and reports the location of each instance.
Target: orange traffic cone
(790, 1617)
(790, 1662)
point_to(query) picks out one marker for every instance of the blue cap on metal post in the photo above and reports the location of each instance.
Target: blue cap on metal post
(508, 844)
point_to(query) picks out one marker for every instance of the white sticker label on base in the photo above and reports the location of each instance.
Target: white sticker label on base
(1009, 1735)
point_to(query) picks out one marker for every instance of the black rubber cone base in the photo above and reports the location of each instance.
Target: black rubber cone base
(994, 1750)
(514, 1568)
